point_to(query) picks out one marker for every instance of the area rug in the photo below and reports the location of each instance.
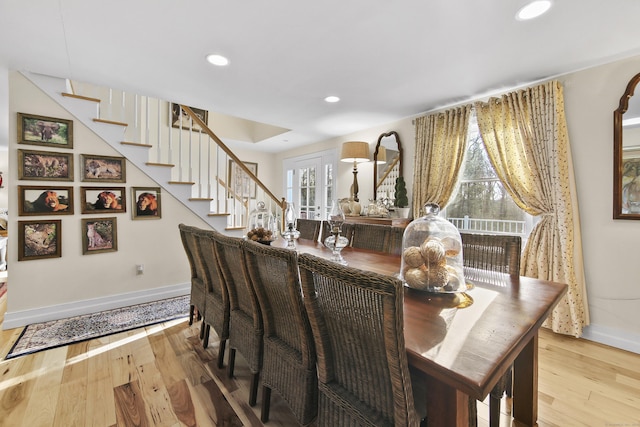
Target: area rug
(56, 333)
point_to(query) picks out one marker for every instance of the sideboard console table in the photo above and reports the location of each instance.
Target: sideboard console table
(394, 222)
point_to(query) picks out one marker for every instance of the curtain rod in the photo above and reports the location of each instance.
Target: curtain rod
(485, 96)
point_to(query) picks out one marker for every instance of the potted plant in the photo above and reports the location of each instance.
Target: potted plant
(401, 201)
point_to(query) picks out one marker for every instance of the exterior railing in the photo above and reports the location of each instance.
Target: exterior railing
(494, 226)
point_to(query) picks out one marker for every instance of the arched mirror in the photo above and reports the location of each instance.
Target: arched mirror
(387, 165)
(626, 154)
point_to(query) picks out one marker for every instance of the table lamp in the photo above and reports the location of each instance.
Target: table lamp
(356, 152)
(381, 158)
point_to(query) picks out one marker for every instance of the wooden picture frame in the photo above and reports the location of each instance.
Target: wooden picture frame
(147, 203)
(99, 235)
(186, 120)
(44, 200)
(45, 165)
(103, 168)
(47, 131)
(39, 239)
(102, 200)
(240, 186)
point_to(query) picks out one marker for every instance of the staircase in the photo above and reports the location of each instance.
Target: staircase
(187, 160)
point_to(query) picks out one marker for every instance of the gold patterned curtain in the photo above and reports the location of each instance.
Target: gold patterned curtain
(441, 140)
(526, 136)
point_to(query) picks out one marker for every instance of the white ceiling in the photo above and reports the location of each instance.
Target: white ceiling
(386, 60)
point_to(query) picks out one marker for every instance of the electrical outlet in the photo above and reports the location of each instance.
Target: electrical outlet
(139, 268)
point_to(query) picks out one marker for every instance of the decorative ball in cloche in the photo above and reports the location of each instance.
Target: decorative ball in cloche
(432, 254)
(262, 226)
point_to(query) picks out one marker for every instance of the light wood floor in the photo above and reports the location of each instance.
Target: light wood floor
(161, 376)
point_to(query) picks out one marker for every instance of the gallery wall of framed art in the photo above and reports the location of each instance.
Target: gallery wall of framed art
(56, 168)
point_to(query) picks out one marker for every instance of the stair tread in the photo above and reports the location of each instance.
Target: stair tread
(160, 164)
(218, 214)
(198, 199)
(182, 182)
(86, 98)
(137, 144)
(111, 122)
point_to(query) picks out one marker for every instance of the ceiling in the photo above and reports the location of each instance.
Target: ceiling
(385, 60)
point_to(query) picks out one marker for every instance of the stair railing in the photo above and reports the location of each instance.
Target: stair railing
(196, 155)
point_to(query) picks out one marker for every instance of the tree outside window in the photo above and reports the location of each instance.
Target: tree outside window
(480, 202)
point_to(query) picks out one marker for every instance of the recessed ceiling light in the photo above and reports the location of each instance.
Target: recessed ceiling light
(216, 59)
(533, 9)
(332, 98)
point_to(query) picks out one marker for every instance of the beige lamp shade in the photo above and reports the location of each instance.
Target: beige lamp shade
(382, 156)
(355, 151)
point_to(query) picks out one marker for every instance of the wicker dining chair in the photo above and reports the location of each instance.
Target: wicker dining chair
(216, 297)
(493, 252)
(197, 301)
(309, 228)
(245, 319)
(289, 359)
(499, 254)
(374, 237)
(357, 322)
(394, 245)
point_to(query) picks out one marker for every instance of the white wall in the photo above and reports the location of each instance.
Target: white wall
(58, 287)
(609, 246)
(612, 275)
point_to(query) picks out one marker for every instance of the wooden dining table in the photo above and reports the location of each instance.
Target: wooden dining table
(463, 343)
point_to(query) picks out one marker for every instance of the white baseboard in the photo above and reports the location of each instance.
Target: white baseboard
(612, 337)
(17, 319)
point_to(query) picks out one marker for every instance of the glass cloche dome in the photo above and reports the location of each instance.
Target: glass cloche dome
(432, 254)
(262, 226)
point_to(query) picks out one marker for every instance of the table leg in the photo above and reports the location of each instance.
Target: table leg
(446, 406)
(525, 384)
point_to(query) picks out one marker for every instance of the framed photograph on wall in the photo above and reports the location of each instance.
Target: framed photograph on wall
(41, 130)
(240, 185)
(45, 165)
(147, 203)
(45, 200)
(103, 168)
(103, 200)
(99, 235)
(39, 239)
(177, 119)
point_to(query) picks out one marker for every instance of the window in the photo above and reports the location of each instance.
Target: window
(480, 202)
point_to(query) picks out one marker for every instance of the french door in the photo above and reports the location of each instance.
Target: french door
(310, 183)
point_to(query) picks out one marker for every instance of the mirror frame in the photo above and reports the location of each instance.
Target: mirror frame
(375, 160)
(618, 150)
